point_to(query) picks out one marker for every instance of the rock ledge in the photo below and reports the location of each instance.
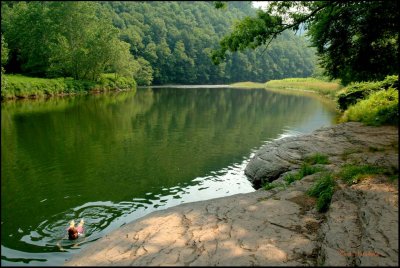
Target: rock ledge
(279, 226)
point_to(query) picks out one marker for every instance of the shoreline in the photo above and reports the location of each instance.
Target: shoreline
(280, 226)
(16, 87)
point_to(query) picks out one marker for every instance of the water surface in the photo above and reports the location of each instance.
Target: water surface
(112, 158)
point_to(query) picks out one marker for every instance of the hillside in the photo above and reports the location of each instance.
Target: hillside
(153, 42)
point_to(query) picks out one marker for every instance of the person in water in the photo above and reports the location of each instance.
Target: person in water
(75, 232)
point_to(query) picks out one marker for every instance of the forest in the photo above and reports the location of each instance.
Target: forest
(151, 42)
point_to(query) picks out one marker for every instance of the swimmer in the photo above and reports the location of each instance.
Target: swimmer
(75, 232)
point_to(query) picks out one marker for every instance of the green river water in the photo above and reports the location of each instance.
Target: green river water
(112, 158)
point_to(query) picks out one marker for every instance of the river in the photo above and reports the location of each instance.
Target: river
(112, 158)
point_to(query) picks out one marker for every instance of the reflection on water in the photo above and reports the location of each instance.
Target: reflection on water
(113, 158)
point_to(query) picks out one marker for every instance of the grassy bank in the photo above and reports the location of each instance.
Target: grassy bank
(328, 89)
(19, 86)
(373, 103)
(247, 85)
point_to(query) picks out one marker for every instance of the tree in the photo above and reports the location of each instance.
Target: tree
(74, 39)
(144, 74)
(83, 39)
(183, 63)
(87, 43)
(121, 60)
(355, 41)
(4, 52)
(29, 34)
(4, 59)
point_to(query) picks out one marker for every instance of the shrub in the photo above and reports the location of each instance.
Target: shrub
(19, 86)
(361, 90)
(110, 82)
(379, 108)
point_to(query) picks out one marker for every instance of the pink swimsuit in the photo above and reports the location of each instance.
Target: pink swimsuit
(80, 229)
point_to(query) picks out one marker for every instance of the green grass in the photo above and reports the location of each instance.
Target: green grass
(247, 85)
(328, 89)
(379, 108)
(352, 173)
(268, 186)
(305, 170)
(358, 91)
(19, 86)
(323, 190)
(317, 158)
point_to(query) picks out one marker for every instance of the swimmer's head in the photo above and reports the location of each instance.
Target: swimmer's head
(72, 233)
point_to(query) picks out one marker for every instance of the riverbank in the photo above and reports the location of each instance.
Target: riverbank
(248, 84)
(373, 103)
(324, 88)
(21, 87)
(280, 226)
(290, 85)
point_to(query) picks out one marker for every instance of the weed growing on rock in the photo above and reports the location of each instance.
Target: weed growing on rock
(305, 170)
(268, 186)
(323, 189)
(352, 173)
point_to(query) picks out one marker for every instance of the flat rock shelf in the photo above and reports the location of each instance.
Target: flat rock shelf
(280, 226)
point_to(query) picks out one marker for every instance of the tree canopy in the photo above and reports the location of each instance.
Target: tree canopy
(355, 40)
(153, 42)
(63, 39)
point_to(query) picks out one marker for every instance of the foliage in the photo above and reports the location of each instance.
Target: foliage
(354, 40)
(144, 73)
(305, 170)
(323, 189)
(112, 82)
(379, 108)
(247, 85)
(358, 91)
(272, 185)
(24, 87)
(352, 173)
(4, 51)
(328, 89)
(268, 186)
(4, 59)
(168, 42)
(56, 39)
(317, 158)
(219, 4)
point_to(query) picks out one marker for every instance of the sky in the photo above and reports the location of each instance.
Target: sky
(261, 4)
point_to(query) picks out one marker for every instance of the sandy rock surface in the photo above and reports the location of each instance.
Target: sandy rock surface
(276, 227)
